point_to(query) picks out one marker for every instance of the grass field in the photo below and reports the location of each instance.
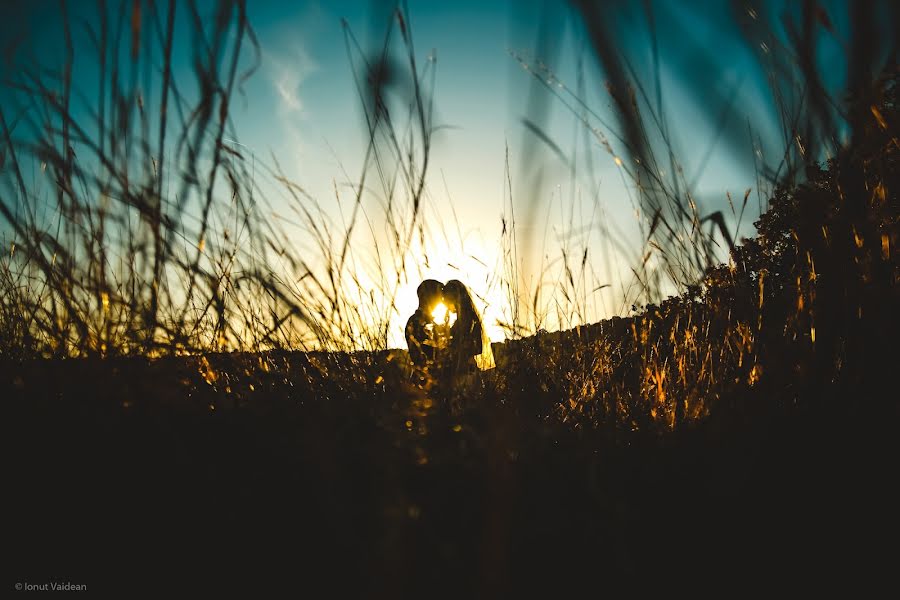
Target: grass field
(243, 431)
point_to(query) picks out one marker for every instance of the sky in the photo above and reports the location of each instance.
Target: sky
(486, 167)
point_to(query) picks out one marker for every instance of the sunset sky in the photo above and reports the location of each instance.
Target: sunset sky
(302, 106)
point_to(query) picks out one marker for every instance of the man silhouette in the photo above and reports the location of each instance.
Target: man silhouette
(419, 327)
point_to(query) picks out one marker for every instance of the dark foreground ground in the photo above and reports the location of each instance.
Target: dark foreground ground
(133, 475)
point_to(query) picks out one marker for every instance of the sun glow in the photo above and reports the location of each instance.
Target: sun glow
(443, 315)
(439, 313)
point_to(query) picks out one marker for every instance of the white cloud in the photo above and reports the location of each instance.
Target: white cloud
(287, 69)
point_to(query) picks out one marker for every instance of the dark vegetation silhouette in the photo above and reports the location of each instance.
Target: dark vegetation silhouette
(241, 428)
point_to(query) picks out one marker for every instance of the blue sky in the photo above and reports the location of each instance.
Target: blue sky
(302, 106)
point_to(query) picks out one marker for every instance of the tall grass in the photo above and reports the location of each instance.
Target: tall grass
(137, 225)
(798, 117)
(711, 311)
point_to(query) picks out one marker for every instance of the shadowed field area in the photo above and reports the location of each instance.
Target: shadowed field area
(124, 472)
(714, 437)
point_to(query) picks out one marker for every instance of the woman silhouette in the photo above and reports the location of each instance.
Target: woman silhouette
(469, 346)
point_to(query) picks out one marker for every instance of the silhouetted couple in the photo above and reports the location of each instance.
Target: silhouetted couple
(445, 334)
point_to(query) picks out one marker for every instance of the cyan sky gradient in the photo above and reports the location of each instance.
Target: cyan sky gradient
(302, 107)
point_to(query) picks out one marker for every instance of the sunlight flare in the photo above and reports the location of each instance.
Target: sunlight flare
(443, 315)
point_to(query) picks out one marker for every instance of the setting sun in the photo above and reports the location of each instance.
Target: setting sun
(439, 313)
(442, 315)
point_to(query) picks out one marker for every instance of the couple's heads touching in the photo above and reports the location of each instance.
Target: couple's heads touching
(453, 294)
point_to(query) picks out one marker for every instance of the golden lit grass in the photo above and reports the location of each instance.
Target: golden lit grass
(161, 241)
